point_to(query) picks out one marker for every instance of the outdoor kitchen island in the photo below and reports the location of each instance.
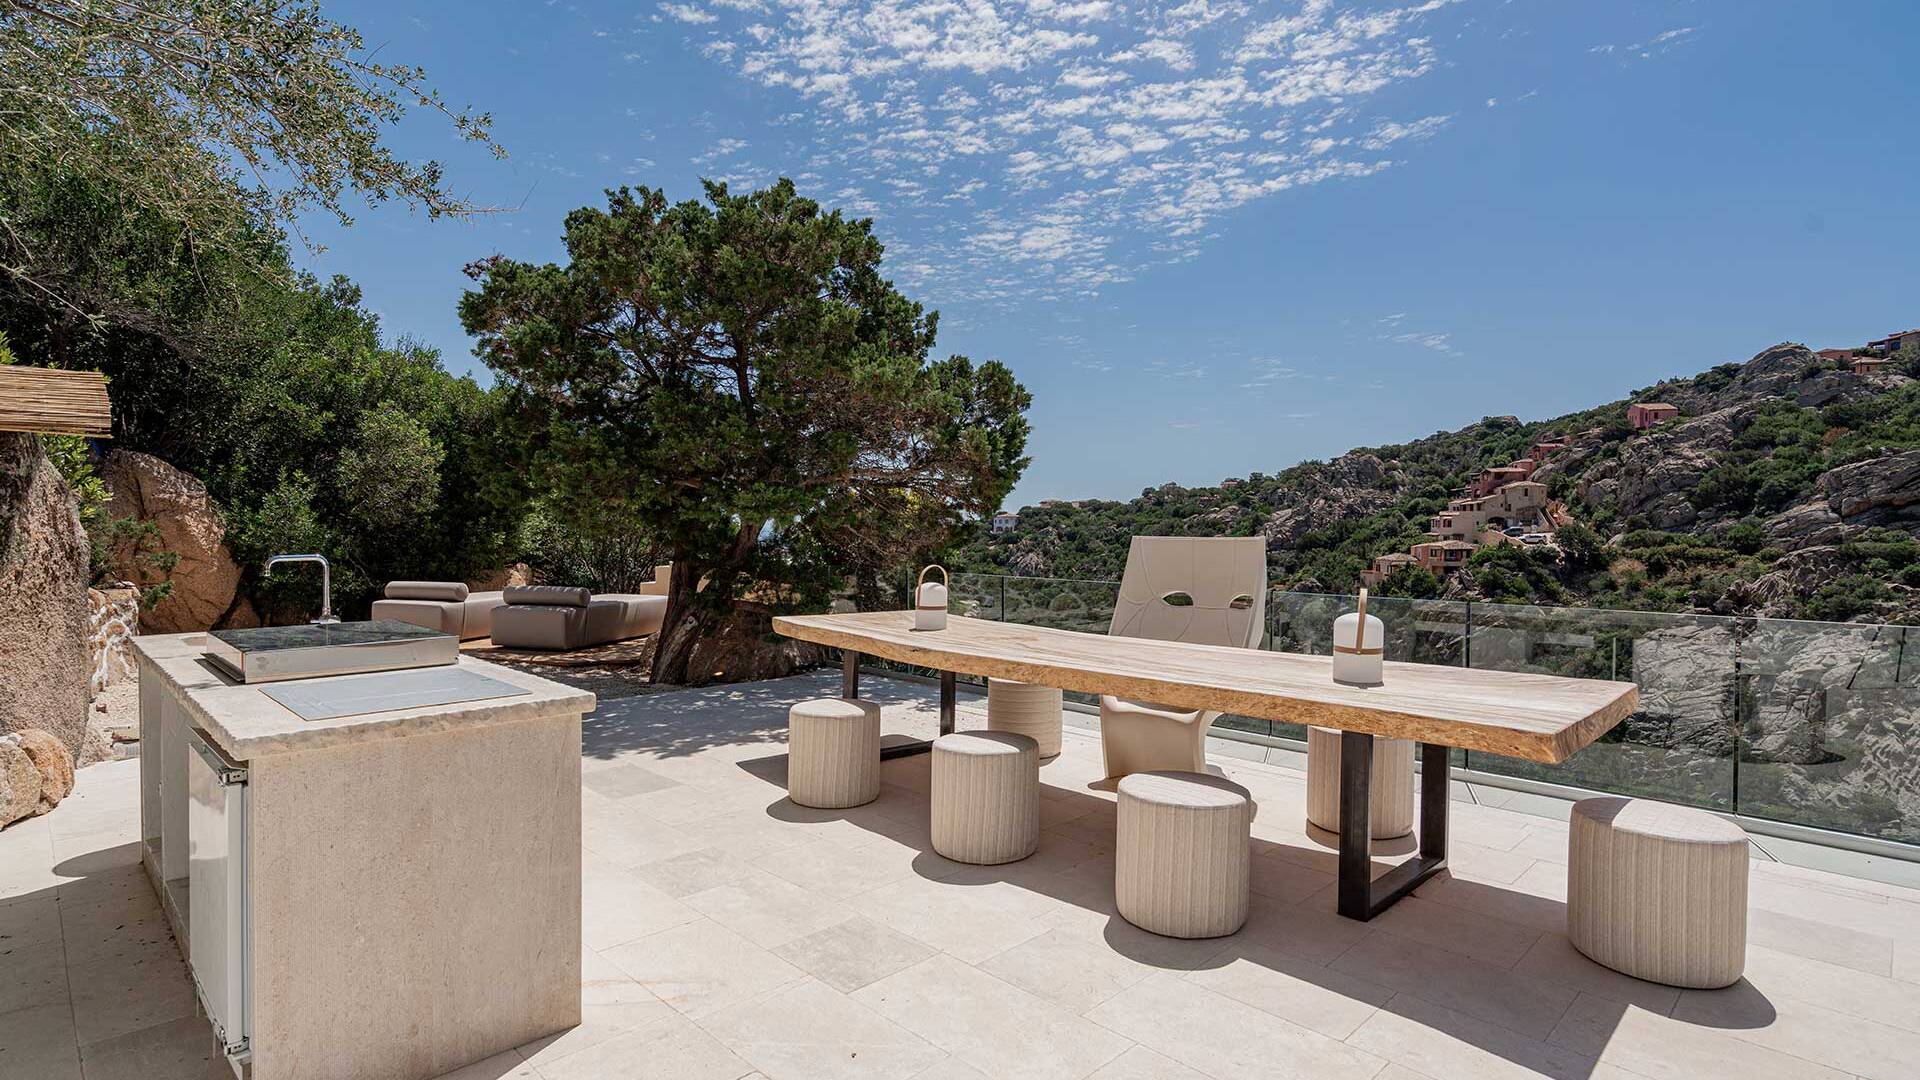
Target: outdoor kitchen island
(371, 894)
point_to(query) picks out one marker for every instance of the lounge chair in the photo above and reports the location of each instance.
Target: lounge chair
(445, 606)
(1204, 590)
(557, 617)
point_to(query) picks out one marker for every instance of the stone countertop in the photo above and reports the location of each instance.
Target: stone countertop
(246, 723)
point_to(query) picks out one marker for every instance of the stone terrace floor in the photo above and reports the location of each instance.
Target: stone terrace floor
(730, 934)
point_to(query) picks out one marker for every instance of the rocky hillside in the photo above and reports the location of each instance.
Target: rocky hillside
(1787, 487)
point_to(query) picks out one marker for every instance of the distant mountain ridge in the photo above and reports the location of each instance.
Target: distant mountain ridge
(1788, 486)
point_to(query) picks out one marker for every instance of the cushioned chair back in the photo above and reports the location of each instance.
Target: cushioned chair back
(451, 592)
(1203, 590)
(552, 595)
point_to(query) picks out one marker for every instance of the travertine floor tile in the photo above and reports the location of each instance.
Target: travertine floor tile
(182, 1047)
(1817, 940)
(767, 910)
(1553, 959)
(1293, 988)
(997, 1028)
(1074, 971)
(33, 975)
(1866, 1048)
(138, 984)
(1140, 1063)
(969, 923)
(1458, 982)
(1225, 1038)
(702, 966)
(670, 1049)
(38, 1041)
(952, 1068)
(809, 1031)
(1662, 1048)
(503, 1066)
(835, 871)
(617, 907)
(1308, 929)
(851, 954)
(624, 780)
(1440, 1042)
(1460, 930)
(695, 871)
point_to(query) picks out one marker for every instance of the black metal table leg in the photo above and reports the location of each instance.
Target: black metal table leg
(850, 688)
(1360, 896)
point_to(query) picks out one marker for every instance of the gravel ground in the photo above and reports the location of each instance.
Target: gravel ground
(118, 706)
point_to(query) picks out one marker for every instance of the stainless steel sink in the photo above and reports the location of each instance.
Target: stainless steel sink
(273, 653)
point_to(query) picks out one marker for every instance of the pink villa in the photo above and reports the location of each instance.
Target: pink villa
(1893, 343)
(1494, 479)
(1644, 414)
(1441, 556)
(1383, 568)
(1867, 365)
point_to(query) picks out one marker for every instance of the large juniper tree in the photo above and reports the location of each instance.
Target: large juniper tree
(738, 373)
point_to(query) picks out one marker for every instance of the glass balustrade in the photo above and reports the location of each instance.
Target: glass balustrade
(1807, 723)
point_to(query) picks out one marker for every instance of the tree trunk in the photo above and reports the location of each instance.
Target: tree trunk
(680, 627)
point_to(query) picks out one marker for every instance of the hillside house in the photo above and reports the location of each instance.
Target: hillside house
(1494, 479)
(1005, 522)
(1893, 343)
(1383, 568)
(1442, 556)
(1522, 502)
(1546, 448)
(1867, 365)
(1644, 414)
(1838, 356)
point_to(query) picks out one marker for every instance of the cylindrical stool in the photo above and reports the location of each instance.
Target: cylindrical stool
(1026, 709)
(1389, 792)
(1658, 891)
(833, 753)
(986, 796)
(1184, 842)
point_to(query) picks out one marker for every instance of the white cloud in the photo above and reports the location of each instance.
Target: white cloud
(1664, 42)
(1048, 148)
(689, 13)
(1387, 132)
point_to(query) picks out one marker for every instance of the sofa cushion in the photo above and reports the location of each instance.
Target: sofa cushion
(539, 626)
(555, 595)
(619, 616)
(452, 591)
(437, 615)
(477, 621)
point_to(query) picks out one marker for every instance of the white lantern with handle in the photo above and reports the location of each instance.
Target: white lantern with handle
(930, 600)
(1359, 647)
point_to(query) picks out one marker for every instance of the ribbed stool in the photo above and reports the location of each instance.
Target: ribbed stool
(1658, 891)
(986, 796)
(1184, 843)
(1026, 709)
(833, 753)
(1389, 792)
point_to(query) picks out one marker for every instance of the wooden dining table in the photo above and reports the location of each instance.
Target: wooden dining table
(1543, 718)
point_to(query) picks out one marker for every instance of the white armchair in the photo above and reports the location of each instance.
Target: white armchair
(1204, 590)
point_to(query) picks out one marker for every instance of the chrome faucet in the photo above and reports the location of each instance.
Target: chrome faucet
(326, 582)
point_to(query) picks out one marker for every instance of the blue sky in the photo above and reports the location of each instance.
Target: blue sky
(1217, 237)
